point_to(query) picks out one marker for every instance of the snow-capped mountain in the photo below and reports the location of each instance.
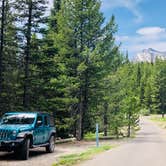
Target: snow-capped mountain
(149, 55)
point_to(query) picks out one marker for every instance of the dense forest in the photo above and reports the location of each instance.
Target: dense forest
(66, 61)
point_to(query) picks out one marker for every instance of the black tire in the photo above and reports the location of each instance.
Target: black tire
(25, 149)
(50, 148)
(17, 152)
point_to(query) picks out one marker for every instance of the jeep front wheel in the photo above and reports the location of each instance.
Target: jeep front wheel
(50, 148)
(25, 149)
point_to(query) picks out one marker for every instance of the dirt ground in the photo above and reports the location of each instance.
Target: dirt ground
(38, 157)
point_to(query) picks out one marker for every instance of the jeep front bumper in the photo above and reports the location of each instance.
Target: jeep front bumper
(10, 145)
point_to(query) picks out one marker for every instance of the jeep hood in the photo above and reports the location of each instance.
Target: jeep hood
(16, 127)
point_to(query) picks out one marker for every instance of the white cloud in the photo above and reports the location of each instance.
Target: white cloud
(135, 48)
(49, 7)
(50, 3)
(131, 5)
(147, 37)
(122, 38)
(148, 31)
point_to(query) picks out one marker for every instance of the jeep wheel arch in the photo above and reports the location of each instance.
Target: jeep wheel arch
(31, 139)
(51, 146)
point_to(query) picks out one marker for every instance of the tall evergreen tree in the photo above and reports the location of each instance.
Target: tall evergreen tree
(107, 59)
(3, 14)
(80, 25)
(30, 18)
(8, 57)
(161, 81)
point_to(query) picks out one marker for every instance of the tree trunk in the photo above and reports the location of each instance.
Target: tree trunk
(27, 56)
(163, 109)
(79, 131)
(163, 114)
(2, 44)
(105, 119)
(117, 132)
(85, 98)
(81, 100)
(129, 125)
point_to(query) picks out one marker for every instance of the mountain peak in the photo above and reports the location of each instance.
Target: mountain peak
(149, 55)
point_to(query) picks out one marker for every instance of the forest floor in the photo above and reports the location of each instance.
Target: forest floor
(38, 157)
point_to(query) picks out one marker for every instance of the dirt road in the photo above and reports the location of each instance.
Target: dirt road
(147, 149)
(38, 157)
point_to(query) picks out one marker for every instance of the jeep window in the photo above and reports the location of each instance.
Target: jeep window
(39, 121)
(18, 119)
(46, 121)
(52, 121)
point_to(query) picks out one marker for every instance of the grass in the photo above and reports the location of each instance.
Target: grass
(70, 160)
(92, 136)
(159, 120)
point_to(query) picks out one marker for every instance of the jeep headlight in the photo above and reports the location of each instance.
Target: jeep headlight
(14, 133)
(21, 134)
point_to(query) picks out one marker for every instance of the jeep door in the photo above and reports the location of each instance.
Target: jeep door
(46, 128)
(39, 130)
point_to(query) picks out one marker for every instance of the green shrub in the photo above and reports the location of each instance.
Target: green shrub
(145, 112)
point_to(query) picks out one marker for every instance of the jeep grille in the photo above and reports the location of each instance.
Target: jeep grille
(5, 134)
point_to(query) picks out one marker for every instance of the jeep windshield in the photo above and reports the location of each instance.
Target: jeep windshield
(18, 119)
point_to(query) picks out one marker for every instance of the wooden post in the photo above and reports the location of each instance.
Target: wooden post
(97, 135)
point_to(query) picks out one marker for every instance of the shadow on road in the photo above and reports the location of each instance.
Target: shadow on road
(147, 138)
(13, 157)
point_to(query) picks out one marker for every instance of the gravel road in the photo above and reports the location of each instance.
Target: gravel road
(147, 149)
(38, 157)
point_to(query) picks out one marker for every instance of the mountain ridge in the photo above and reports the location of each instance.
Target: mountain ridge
(150, 55)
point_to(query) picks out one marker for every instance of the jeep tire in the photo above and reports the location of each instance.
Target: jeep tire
(50, 148)
(17, 152)
(25, 149)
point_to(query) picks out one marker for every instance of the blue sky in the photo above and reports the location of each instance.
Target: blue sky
(141, 23)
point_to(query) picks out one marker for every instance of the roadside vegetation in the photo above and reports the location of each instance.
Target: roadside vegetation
(66, 61)
(92, 136)
(161, 121)
(70, 160)
(158, 119)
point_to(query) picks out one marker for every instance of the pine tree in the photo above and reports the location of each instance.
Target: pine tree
(3, 14)
(130, 102)
(79, 28)
(161, 81)
(8, 57)
(53, 17)
(107, 59)
(30, 18)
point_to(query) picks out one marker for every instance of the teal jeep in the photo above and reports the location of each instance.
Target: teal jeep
(20, 131)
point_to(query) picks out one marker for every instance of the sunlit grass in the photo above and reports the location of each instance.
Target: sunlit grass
(92, 136)
(70, 160)
(159, 120)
